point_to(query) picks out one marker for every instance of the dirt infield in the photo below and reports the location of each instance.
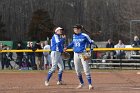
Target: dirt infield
(104, 82)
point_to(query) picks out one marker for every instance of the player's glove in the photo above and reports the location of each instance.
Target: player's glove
(86, 56)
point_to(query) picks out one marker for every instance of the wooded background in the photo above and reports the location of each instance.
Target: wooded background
(110, 17)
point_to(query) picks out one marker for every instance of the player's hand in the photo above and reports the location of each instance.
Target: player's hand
(65, 49)
(63, 36)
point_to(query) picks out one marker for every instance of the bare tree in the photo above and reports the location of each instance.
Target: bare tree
(111, 17)
(41, 26)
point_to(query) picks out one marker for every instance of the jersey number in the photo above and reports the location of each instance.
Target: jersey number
(77, 44)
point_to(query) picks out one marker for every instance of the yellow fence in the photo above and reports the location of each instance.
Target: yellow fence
(68, 50)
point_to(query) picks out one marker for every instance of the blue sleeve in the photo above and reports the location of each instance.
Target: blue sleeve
(62, 40)
(70, 45)
(58, 40)
(89, 41)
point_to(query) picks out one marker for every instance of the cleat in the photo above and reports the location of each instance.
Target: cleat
(46, 83)
(80, 86)
(90, 87)
(60, 83)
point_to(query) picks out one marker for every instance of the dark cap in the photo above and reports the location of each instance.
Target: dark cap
(38, 41)
(19, 42)
(78, 26)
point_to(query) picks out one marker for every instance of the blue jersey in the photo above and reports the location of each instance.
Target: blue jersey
(80, 42)
(57, 43)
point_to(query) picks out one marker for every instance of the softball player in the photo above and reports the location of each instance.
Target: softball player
(57, 46)
(79, 43)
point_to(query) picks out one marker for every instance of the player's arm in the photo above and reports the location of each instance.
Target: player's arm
(59, 41)
(69, 46)
(89, 40)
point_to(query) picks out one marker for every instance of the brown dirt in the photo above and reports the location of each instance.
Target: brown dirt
(103, 81)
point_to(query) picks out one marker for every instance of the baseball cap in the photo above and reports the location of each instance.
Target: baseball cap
(58, 28)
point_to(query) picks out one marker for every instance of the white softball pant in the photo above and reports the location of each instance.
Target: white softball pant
(56, 61)
(80, 63)
(47, 59)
